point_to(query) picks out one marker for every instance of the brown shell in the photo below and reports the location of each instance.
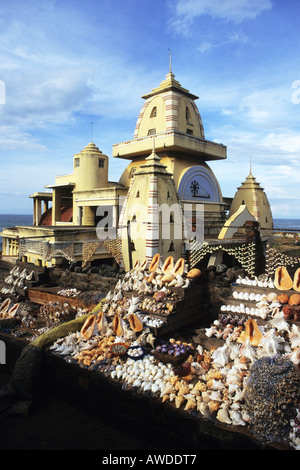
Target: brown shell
(135, 324)
(14, 309)
(154, 263)
(88, 327)
(144, 265)
(294, 299)
(194, 273)
(282, 279)
(117, 327)
(99, 320)
(251, 332)
(296, 282)
(168, 265)
(179, 267)
(283, 298)
(5, 306)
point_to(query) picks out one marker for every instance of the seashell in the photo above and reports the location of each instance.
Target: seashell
(236, 418)
(135, 323)
(251, 332)
(215, 385)
(154, 388)
(117, 326)
(221, 355)
(271, 343)
(168, 265)
(216, 395)
(193, 273)
(179, 267)
(168, 277)
(137, 383)
(190, 404)
(214, 406)
(30, 276)
(88, 327)
(294, 299)
(203, 408)
(113, 374)
(279, 322)
(179, 400)
(294, 337)
(12, 312)
(223, 416)
(283, 298)
(209, 332)
(282, 279)
(179, 281)
(154, 263)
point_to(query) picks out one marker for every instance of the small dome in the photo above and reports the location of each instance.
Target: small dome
(251, 194)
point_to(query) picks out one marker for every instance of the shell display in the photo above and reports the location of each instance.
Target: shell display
(255, 328)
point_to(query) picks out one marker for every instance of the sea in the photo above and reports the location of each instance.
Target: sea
(11, 220)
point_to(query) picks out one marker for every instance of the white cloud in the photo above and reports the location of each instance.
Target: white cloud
(236, 11)
(214, 41)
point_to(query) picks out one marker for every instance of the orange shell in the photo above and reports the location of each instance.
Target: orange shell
(251, 332)
(194, 273)
(154, 263)
(294, 299)
(283, 298)
(144, 265)
(296, 282)
(179, 267)
(282, 279)
(88, 327)
(168, 265)
(117, 327)
(135, 324)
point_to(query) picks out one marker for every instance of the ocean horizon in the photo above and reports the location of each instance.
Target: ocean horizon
(12, 220)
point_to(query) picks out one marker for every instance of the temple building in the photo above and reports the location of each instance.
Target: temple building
(170, 114)
(86, 218)
(253, 196)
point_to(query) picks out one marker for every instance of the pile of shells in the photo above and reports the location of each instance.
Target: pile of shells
(70, 292)
(17, 278)
(271, 397)
(56, 312)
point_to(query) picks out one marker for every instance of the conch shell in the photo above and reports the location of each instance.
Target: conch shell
(179, 267)
(117, 325)
(88, 327)
(135, 323)
(251, 332)
(154, 263)
(282, 279)
(168, 265)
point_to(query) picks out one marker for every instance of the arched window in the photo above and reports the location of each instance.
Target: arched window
(153, 112)
(187, 114)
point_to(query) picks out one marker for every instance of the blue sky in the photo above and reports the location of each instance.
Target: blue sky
(67, 63)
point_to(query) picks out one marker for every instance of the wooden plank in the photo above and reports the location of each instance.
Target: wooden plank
(42, 296)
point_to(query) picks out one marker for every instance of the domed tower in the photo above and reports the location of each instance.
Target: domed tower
(90, 173)
(252, 195)
(171, 116)
(90, 168)
(151, 217)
